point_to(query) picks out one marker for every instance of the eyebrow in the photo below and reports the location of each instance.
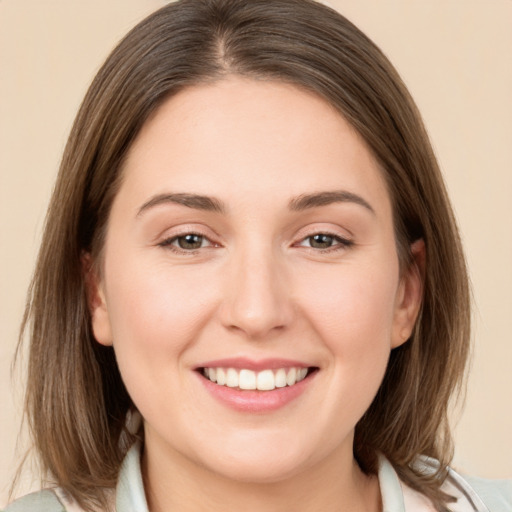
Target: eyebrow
(297, 204)
(197, 202)
(306, 201)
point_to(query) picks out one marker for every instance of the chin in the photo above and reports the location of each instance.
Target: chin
(260, 462)
(260, 471)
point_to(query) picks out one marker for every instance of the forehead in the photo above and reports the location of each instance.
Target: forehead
(241, 137)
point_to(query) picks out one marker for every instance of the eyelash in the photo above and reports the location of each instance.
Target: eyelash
(340, 243)
(168, 243)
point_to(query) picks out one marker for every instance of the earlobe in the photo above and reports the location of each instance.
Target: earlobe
(96, 302)
(409, 296)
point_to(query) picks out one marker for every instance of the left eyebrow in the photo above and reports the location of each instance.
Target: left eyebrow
(306, 201)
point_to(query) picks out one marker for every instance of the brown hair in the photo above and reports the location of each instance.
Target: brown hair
(76, 402)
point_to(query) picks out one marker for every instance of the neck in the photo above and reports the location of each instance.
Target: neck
(180, 485)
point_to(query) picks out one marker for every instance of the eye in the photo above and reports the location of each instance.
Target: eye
(325, 241)
(187, 242)
(190, 241)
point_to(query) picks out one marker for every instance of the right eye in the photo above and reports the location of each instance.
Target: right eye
(187, 242)
(322, 241)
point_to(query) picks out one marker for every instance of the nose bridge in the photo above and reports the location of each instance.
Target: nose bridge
(257, 302)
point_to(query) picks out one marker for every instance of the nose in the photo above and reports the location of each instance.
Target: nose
(257, 301)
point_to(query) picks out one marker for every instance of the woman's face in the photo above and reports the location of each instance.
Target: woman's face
(251, 241)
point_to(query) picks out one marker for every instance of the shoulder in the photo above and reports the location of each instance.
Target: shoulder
(42, 501)
(496, 494)
(482, 494)
(471, 494)
(47, 500)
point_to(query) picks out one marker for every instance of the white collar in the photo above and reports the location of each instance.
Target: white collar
(130, 496)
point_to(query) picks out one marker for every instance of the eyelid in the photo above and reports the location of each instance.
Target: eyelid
(170, 239)
(343, 241)
(325, 229)
(185, 228)
(340, 239)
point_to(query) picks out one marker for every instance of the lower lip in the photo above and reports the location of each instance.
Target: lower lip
(256, 401)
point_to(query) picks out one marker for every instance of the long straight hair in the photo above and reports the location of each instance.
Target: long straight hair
(76, 403)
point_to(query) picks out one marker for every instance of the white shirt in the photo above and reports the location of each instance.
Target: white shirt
(129, 495)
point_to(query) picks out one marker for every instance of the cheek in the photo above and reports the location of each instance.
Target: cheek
(352, 311)
(352, 302)
(155, 314)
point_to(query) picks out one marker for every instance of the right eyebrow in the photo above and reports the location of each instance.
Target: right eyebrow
(194, 201)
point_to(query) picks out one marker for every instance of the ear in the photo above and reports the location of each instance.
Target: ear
(409, 296)
(96, 302)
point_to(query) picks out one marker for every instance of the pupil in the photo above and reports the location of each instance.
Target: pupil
(321, 241)
(190, 241)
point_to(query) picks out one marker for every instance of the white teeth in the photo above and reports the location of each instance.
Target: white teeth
(221, 376)
(247, 379)
(291, 377)
(265, 380)
(232, 378)
(301, 374)
(281, 378)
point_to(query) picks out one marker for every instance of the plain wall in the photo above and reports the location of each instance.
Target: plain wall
(453, 55)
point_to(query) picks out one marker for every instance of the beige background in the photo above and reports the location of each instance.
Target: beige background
(455, 58)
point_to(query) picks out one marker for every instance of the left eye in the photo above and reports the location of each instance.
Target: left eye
(188, 242)
(323, 241)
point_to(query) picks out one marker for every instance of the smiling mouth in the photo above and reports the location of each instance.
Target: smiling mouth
(265, 380)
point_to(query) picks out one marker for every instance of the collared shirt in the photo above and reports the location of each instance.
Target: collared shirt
(396, 496)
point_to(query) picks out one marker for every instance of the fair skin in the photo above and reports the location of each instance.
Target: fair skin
(252, 230)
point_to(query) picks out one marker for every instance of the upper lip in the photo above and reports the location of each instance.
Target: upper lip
(253, 364)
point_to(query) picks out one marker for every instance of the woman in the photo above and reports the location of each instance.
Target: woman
(251, 291)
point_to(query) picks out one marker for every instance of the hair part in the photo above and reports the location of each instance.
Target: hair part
(76, 402)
